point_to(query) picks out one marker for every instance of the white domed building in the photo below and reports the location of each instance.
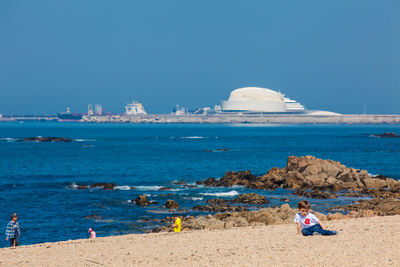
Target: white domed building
(259, 100)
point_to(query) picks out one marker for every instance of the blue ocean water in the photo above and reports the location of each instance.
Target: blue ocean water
(37, 179)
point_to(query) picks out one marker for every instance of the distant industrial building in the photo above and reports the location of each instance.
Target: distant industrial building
(98, 109)
(258, 100)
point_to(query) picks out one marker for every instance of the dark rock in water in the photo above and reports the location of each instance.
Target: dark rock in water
(46, 139)
(251, 198)
(222, 149)
(105, 186)
(236, 178)
(171, 204)
(93, 217)
(165, 188)
(388, 134)
(180, 183)
(143, 201)
(230, 179)
(284, 199)
(165, 195)
(378, 206)
(217, 201)
(83, 186)
(209, 182)
(315, 194)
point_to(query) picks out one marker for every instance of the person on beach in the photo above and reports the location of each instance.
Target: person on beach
(92, 233)
(177, 224)
(307, 223)
(12, 230)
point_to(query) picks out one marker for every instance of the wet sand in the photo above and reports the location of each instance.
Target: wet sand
(371, 241)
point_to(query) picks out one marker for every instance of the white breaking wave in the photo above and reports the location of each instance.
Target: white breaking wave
(193, 137)
(123, 187)
(85, 140)
(73, 185)
(8, 139)
(197, 198)
(148, 187)
(222, 194)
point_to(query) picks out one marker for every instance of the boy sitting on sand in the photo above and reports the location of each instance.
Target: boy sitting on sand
(307, 223)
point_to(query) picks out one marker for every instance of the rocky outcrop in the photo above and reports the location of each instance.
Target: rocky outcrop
(307, 172)
(171, 204)
(143, 201)
(281, 215)
(376, 206)
(251, 198)
(219, 208)
(381, 193)
(46, 139)
(223, 205)
(315, 194)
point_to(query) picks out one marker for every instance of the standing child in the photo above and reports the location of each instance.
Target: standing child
(92, 233)
(307, 223)
(12, 231)
(177, 224)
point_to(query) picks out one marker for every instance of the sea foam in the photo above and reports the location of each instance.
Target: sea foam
(193, 137)
(222, 194)
(148, 187)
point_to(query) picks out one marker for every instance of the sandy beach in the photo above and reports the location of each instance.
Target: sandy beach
(361, 242)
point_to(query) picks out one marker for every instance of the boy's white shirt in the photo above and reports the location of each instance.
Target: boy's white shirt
(306, 221)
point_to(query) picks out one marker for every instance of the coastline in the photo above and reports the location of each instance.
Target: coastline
(361, 242)
(247, 118)
(228, 119)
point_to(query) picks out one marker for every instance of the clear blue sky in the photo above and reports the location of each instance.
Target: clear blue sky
(331, 55)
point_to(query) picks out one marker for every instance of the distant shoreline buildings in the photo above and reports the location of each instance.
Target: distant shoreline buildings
(252, 101)
(246, 100)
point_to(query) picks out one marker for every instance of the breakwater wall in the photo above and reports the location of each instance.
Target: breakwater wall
(246, 118)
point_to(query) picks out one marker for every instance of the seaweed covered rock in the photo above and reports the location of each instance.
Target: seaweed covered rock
(105, 186)
(46, 139)
(143, 201)
(171, 204)
(251, 198)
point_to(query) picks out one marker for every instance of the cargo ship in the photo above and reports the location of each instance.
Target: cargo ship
(68, 116)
